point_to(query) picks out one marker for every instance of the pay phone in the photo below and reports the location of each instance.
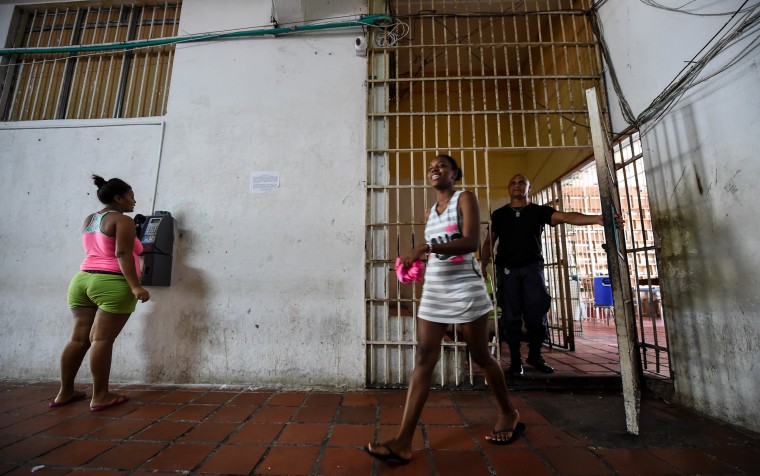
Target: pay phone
(156, 233)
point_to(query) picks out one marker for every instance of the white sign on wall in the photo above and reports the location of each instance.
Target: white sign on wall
(264, 181)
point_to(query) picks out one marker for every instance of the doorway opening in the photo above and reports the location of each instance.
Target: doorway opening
(500, 87)
(578, 278)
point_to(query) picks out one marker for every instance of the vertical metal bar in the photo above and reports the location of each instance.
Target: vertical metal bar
(507, 84)
(494, 66)
(460, 104)
(592, 59)
(129, 109)
(146, 63)
(402, 319)
(81, 25)
(556, 117)
(170, 60)
(423, 82)
(520, 83)
(134, 15)
(379, 212)
(371, 322)
(436, 139)
(571, 101)
(487, 158)
(153, 89)
(87, 68)
(471, 82)
(486, 143)
(53, 68)
(71, 67)
(25, 91)
(646, 241)
(563, 263)
(393, 223)
(636, 269)
(425, 145)
(107, 89)
(447, 83)
(96, 81)
(380, 176)
(622, 170)
(543, 81)
(556, 72)
(9, 70)
(411, 165)
(550, 245)
(532, 75)
(458, 355)
(61, 85)
(578, 52)
(41, 67)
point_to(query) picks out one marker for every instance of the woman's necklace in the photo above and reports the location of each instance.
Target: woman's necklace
(445, 204)
(517, 212)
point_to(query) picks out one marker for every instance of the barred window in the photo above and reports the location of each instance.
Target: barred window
(87, 84)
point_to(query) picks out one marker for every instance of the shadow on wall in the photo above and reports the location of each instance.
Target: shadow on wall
(174, 334)
(698, 280)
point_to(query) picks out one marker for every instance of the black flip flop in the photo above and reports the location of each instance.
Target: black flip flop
(391, 457)
(514, 435)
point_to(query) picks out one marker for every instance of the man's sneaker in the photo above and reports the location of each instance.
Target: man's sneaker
(540, 364)
(516, 369)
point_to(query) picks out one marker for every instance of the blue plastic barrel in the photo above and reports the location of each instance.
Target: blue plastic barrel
(602, 291)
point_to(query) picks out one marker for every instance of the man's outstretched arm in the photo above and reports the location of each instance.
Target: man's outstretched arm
(575, 218)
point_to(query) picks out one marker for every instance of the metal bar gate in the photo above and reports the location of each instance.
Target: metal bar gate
(494, 84)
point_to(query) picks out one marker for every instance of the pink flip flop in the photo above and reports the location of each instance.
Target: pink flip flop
(78, 397)
(119, 400)
(413, 273)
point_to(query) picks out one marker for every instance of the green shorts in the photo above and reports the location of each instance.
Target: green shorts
(109, 292)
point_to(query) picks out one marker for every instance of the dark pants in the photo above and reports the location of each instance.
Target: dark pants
(522, 295)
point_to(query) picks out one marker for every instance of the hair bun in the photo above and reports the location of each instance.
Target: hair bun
(99, 181)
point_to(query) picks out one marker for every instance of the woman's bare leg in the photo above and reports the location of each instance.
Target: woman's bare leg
(106, 328)
(476, 335)
(429, 336)
(75, 350)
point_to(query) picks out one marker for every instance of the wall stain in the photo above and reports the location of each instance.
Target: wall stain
(730, 186)
(699, 181)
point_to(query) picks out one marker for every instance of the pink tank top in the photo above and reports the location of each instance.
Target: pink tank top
(100, 249)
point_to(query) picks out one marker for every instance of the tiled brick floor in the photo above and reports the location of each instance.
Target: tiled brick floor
(196, 430)
(595, 354)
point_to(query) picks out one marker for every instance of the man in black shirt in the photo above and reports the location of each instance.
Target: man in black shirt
(519, 267)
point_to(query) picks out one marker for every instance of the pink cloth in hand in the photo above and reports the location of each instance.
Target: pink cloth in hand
(407, 275)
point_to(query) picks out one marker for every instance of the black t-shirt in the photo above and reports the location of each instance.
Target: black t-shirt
(520, 237)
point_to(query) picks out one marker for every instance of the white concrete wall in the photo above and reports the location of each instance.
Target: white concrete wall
(702, 168)
(268, 289)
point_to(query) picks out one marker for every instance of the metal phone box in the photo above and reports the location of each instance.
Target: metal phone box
(156, 233)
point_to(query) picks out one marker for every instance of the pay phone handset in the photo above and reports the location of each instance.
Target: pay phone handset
(156, 233)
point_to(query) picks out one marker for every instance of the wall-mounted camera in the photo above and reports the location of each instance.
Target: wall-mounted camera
(360, 45)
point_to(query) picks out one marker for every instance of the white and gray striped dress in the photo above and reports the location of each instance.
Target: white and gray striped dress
(454, 291)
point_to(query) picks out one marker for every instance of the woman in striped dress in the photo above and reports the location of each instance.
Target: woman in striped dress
(454, 292)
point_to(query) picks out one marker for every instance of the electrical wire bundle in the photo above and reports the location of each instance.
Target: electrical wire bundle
(748, 25)
(393, 33)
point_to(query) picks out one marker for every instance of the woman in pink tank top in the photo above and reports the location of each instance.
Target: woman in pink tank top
(103, 294)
